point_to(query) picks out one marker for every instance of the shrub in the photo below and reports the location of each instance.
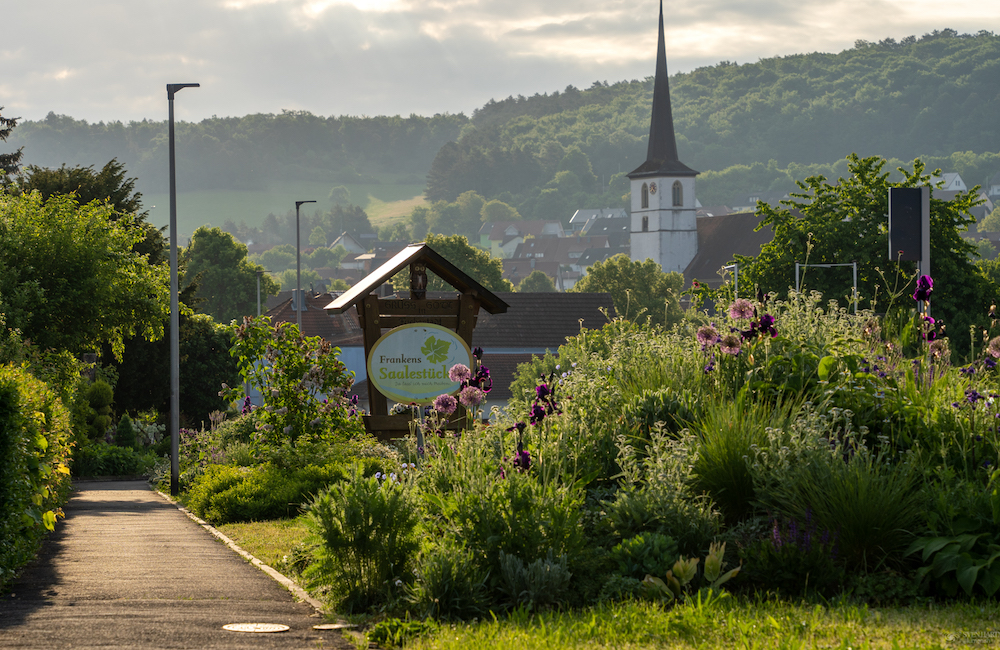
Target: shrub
(99, 396)
(449, 584)
(366, 534)
(619, 587)
(125, 434)
(656, 494)
(651, 553)
(795, 559)
(396, 632)
(102, 459)
(541, 583)
(226, 494)
(34, 474)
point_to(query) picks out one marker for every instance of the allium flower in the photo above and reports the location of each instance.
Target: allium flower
(471, 396)
(445, 404)
(731, 344)
(925, 285)
(459, 372)
(707, 336)
(993, 347)
(741, 309)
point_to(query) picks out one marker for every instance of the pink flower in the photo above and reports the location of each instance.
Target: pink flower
(445, 404)
(459, 372)
(471, 396)
(741, 309)
(731, 344)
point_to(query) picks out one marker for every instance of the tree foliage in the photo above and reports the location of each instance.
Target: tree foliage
(226, 280)
(70, 277)
(9, 162)
(536, 282)
(640, 290)
(846, 221)
(475, 262)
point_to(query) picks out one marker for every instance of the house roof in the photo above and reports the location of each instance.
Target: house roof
(541, 320)
(581, 217)
(616, 230)
(720, 238)
(339, 329)
(558, 250)
(661, 154)
(592, 255)
(435, 262)
(535, 228)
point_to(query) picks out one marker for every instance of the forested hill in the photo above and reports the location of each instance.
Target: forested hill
(245, 152)
(927, 96)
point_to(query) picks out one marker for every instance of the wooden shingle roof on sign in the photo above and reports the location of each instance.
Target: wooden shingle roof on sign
(422, 253)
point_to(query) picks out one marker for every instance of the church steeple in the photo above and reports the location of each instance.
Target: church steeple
(661, 155)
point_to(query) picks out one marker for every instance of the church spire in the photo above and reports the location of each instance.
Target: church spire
(661, 156)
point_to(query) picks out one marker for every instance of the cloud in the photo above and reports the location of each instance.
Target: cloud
(107, 60)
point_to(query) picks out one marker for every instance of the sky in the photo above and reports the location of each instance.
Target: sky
(110, 60)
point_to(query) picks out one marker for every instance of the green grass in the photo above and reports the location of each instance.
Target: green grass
(195, 209)
(737, 622)
(733, 623)
(268, 541)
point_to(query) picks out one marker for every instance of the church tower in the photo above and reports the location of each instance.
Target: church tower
(664, 226)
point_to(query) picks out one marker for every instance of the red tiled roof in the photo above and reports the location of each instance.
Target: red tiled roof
(339, 329)
(720, 238)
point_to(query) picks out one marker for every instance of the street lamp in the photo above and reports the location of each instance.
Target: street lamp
(298, 267)
(175, 348)
(259, 273)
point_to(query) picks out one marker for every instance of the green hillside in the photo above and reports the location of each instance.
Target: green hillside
(748, 127)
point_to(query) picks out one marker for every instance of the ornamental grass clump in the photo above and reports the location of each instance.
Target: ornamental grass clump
(365, 530)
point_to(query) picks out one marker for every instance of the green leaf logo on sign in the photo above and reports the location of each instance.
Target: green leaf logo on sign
(435, 350)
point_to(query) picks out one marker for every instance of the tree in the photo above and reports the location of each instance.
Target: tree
(70, 277)
(340, 195)
(351, 218)
(110, 184)
(326, 257)
(318, 237)
(846, 221)
(288, 279)
(9, 162)
(640, 290)
(536, 282)
(499, 211)
(277, 258)
(477, 263)
(226, 279)
(991, 223)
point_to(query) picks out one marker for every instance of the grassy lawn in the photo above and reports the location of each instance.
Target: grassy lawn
(732, 622)
(268, 541)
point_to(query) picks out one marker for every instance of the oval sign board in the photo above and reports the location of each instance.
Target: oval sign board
(410, 363)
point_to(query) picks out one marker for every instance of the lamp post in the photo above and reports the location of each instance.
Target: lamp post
(259, 273)
(298, 268)
(175, 353)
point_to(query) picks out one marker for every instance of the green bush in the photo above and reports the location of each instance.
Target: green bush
(102, 459)
(35, 441)
(544, 582)
(99, 396)
(366, 529)
(125, 434)
(226, 494)
(449, 584)
(796, 558)
(650, 553)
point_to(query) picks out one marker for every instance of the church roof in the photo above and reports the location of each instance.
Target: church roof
(661, 155)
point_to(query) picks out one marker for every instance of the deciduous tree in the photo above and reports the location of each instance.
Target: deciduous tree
(226, 279)
(640, 290)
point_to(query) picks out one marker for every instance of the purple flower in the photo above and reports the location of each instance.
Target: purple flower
(537, 413)
(766, 324)
(247, 405)
(459, 372)
(471, 397)
(445, 404)
(478, 354)
(542, 391)
(731, 344)
(707, 335)
(522, 461)
(741, 309)
(925, 285)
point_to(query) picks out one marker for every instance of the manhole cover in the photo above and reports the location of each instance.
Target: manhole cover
(333, 626)
(258, 628)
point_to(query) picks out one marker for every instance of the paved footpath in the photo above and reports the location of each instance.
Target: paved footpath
(127, 569)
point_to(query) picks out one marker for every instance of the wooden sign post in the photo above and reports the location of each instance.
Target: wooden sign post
(376, 315)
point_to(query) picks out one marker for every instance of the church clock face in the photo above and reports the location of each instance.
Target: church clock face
(652, 188)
